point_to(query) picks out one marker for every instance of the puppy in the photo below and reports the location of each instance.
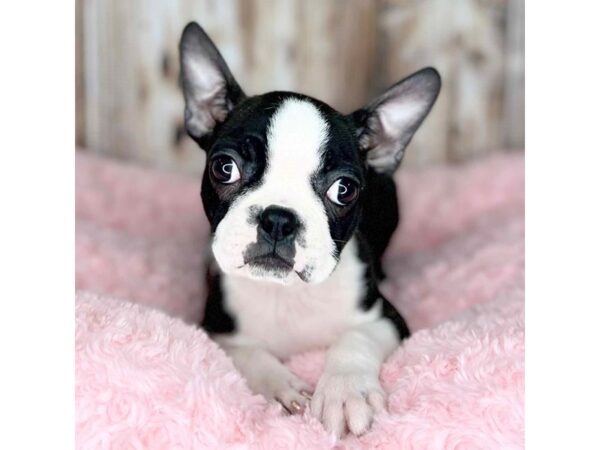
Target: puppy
(301, 204)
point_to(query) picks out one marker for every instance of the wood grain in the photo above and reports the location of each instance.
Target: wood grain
(341, 51)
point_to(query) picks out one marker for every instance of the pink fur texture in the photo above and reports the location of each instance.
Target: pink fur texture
(146, 379)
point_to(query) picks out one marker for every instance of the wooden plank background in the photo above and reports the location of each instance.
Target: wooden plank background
(341, 51)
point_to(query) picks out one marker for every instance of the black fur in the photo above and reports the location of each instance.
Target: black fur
(380, 216)
(372, 295)
(216, 320)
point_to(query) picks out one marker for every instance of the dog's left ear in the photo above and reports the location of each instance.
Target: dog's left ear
(387, 124)
(209, 88)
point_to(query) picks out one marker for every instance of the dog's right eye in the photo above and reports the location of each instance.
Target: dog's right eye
(343, 191)
(223, 169)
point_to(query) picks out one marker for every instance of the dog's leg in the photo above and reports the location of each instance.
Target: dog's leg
(266, 375)
(349, 392)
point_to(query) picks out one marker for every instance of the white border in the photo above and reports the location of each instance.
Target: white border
(563, 225)
(37, 100)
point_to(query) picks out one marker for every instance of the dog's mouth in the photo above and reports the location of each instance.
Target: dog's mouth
(274, 264)
(271, 260)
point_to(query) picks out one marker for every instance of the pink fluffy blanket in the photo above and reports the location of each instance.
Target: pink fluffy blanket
(146, 378)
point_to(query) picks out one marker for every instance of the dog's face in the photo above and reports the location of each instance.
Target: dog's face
(281, 188)
(285, 172)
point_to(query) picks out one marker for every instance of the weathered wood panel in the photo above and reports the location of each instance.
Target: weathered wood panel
(514, 76)
(461, 39)
(79, 77)
(342, 51)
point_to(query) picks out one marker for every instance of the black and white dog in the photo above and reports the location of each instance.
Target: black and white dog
(302, 204)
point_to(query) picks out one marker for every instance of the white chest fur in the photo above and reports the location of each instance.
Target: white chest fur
(286, 319)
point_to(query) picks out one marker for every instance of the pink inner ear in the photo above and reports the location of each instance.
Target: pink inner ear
(399, 115)
(209, 88)
(205, 95)
(395, 117)
(392, 126)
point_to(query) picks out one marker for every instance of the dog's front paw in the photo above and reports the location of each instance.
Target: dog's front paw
(285, 388)
(347, 401)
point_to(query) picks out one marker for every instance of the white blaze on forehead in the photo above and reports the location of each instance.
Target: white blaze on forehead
(295, 141)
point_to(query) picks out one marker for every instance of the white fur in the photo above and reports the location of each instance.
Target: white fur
(295, 141)
(266, 375)
(300, 316)
(273, 319)
(349, 392)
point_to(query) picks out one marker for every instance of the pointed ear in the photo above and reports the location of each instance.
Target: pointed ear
(209, 89)
(387, 124)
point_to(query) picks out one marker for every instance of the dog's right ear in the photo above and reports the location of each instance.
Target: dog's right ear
(209, 88)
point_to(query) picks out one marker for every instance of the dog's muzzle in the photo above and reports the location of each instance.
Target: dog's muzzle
(274, 249)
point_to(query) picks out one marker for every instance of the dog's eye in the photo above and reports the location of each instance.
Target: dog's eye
(224, 170)
(343, 191)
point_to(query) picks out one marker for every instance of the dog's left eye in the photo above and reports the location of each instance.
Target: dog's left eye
(224, 170)
(343, 191)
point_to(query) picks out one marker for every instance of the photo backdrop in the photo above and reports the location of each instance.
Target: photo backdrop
(341, 51)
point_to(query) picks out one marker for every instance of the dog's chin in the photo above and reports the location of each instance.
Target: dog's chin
(272, 276)
(273, 270)
(281, 274)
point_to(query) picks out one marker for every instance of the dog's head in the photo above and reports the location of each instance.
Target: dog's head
(285, 172)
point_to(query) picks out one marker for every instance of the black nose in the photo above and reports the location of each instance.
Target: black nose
(278, 223)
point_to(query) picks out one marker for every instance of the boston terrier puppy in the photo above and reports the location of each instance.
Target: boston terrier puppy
(301, 204)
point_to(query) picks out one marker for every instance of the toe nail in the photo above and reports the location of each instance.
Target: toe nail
(305, 394)
(296, 406)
